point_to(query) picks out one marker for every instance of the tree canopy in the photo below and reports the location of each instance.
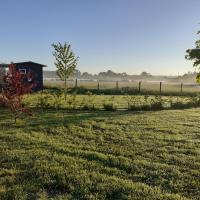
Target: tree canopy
(66, 61)
(194, 55)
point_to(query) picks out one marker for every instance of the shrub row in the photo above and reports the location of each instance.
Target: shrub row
(56, 100)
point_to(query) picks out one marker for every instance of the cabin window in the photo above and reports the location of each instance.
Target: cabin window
(7, 69)
(23, 71)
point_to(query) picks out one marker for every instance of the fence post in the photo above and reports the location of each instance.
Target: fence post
(117, 85)
(139, 88)
(98, 87)
(76, 83)
(160, 87)
(181, 87)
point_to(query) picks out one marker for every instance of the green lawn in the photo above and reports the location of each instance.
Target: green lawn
(101, 155)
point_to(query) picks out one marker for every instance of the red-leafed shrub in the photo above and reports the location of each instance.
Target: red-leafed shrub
(16, 84)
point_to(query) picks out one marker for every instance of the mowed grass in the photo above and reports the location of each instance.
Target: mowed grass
(101, 155)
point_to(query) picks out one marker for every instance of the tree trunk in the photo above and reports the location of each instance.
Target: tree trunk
(65, 82)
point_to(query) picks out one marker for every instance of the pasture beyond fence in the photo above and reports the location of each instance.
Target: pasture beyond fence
(137, 86)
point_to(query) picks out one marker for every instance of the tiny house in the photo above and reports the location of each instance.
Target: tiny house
(25, 67)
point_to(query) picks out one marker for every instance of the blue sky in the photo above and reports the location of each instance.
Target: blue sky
(122, 35)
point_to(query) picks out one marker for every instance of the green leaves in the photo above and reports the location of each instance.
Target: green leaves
(66, 61)
(194, 55)
(198, 78)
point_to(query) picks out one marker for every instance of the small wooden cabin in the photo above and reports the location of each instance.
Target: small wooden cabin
(35, 68)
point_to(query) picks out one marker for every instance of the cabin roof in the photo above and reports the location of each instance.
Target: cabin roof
(29, 62)
(23, 63)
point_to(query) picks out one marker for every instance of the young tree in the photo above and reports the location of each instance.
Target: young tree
(16, 84)
(194, 55)
(66, 61)
(2, 73)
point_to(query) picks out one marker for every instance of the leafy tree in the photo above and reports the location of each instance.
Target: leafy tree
(86, 75)
(145, 74)
(15, 85)
(66, 61)
(194, 55)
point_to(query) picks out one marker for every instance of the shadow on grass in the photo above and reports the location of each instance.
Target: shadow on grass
(51, 118)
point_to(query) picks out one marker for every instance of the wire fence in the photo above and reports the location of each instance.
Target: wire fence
(140, 86)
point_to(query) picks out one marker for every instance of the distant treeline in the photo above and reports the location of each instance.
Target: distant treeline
(112, 76)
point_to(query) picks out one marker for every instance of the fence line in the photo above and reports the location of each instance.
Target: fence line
(140, 86)
(117, 85)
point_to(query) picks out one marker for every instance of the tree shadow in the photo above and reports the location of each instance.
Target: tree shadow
(51, 118)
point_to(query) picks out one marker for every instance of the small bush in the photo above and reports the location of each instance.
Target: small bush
(180, 105)
(156, 103)
(42, 102)
(145, 107)
(109, 104)
(132, 102)
(195, 101)
(89, 107)
(88, 102)
(57, 101)
(109, 107)
(134, 107)
(156, 106)
(136, 104)
(71, 101)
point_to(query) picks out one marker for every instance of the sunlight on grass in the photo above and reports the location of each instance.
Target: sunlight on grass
(103, 155)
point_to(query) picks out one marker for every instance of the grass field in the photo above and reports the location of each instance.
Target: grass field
(101, 155)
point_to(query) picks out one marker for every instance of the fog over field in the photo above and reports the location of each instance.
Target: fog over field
(188, 78)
